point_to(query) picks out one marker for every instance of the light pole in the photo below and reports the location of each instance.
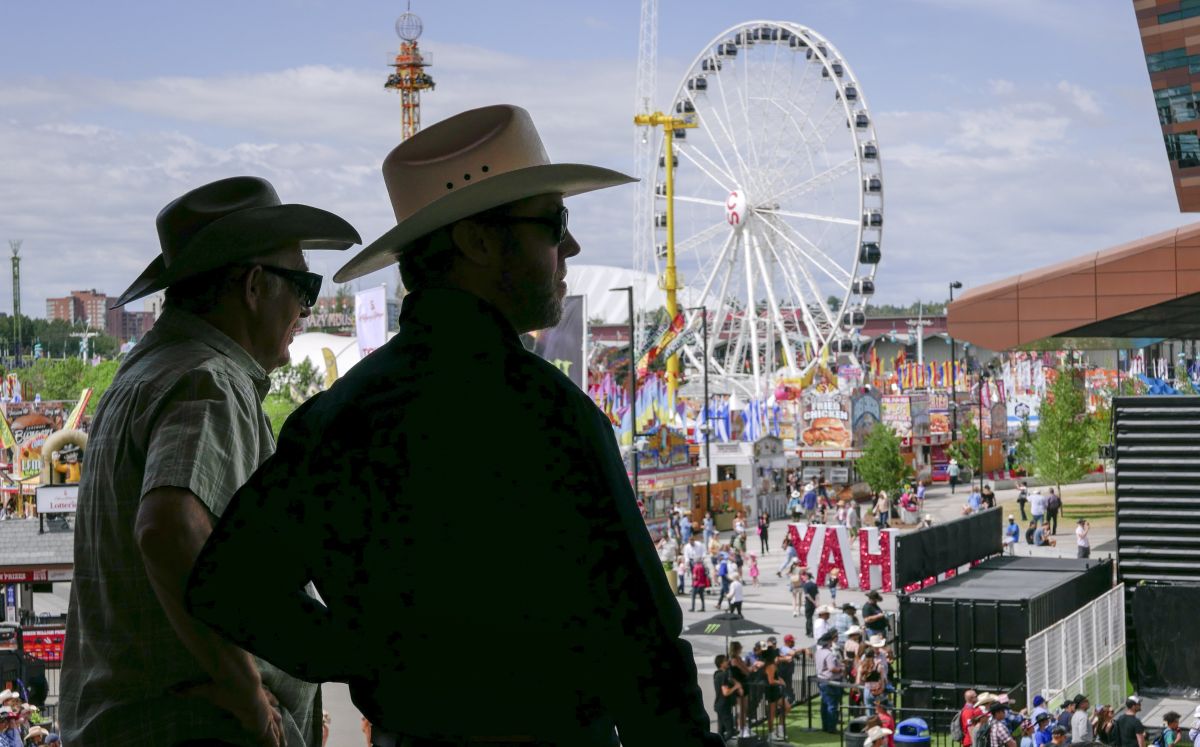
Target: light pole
(632, 389)
(954, 284)
(707, 415)
(984, 375)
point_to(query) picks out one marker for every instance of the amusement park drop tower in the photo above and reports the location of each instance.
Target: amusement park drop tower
(409, 77)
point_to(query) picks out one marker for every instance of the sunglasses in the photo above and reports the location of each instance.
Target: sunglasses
(307, 284)
(557, 224)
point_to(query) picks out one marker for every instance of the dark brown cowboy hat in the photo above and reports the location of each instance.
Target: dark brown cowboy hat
(231, 220)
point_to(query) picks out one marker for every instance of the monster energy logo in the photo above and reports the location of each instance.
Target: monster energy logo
(712, 627)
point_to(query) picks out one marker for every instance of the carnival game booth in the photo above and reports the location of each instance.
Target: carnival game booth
(761, 469)
(665, 476)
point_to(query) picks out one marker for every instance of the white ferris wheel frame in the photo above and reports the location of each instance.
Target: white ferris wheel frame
(795, 257)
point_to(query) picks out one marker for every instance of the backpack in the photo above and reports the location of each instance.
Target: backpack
(956, 732)
(1053, 503)
(982, 736)
(1161, 739)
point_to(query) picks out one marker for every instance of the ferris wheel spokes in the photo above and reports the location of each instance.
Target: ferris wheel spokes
(772, 304)
(728, 186)
(838, 170)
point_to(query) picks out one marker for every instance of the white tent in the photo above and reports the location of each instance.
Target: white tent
(344, 349)
(594, 281)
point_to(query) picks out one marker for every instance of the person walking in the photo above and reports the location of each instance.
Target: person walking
(1053, 507)
(796, 587)
(952, 473)
(735, 594)
(1037, 506)
(723, 573)
(764, 529)
(753, 569)
(1022, 501)
(482, 243)
(700, 583)
(789, 558)
(710, 527)
(883, 510)
(809, 590)
(178, 431)
(795, 506)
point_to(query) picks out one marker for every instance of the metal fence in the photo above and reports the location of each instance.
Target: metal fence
(1083, 653)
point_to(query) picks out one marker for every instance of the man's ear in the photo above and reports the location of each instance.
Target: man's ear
(253, 288)
(474, 242)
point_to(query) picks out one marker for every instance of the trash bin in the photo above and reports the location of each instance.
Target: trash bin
(912, 731)
(856, 732)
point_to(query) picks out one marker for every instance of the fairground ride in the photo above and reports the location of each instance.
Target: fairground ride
(776, 201)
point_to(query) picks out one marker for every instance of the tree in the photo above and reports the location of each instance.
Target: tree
(968, 451)
(1023, 459)
(881, 465)
(1064, 448)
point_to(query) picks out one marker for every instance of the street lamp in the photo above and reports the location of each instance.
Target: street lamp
(707, 414)
(632, 388)
(954, 285)
(984, 374)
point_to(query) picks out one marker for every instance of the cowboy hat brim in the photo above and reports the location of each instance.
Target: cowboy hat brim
(242, 235)
(567, 179)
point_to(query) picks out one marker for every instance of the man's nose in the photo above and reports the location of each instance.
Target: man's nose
(569, 246)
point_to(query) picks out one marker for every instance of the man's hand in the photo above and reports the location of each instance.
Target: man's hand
(258, 714)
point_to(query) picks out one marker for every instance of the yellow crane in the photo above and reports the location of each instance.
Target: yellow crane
(669, 282)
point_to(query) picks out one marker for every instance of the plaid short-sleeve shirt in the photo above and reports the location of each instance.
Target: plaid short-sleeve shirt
(184, 411)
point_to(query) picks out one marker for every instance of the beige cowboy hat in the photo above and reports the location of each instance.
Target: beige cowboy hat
(36, 731)
(985, 699)
(230, 220)
(853, 630)
(468, 164)
(877, 641)
(876, 733)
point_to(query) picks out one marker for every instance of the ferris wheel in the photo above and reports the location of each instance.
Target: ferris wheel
(778, 202)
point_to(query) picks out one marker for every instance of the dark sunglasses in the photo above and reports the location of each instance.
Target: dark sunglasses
(557, 224)
(307, 284)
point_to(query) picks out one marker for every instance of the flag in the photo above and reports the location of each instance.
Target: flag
(7, 439)
(76, 417)
(651, 337)
(664, 338)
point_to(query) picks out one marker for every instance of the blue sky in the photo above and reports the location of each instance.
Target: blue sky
(1014, 132)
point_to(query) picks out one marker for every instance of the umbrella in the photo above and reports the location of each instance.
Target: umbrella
(727, 625)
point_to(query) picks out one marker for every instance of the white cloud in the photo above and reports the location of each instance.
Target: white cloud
(1030, 175)
(1083, 99)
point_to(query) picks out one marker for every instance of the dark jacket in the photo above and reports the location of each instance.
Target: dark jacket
(457, 502)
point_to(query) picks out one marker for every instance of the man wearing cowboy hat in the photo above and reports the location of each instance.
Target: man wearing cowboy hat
(353, 496)
(178, 431)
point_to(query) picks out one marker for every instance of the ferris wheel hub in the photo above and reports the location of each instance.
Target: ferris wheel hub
(735, 208)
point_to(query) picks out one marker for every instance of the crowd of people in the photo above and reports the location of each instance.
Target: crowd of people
(22, 723)
(990, 720)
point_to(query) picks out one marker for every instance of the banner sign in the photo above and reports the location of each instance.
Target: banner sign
(896, 415)
(563, 344)
(370, 319)
(57, 499)
(864, 414)
(45, 644)
(918, 411)
(821, 548)
(939, 414)
(31, 423)
(665, 448)
(825, 418)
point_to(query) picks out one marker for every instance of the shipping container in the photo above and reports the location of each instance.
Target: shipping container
(970, 631)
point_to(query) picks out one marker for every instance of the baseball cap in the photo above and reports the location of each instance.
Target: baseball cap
(1043, 716)
(1080, 698)
(1058, 731)
(1132, 700)
(1038, 700)
(789, 639)
(997, 706)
